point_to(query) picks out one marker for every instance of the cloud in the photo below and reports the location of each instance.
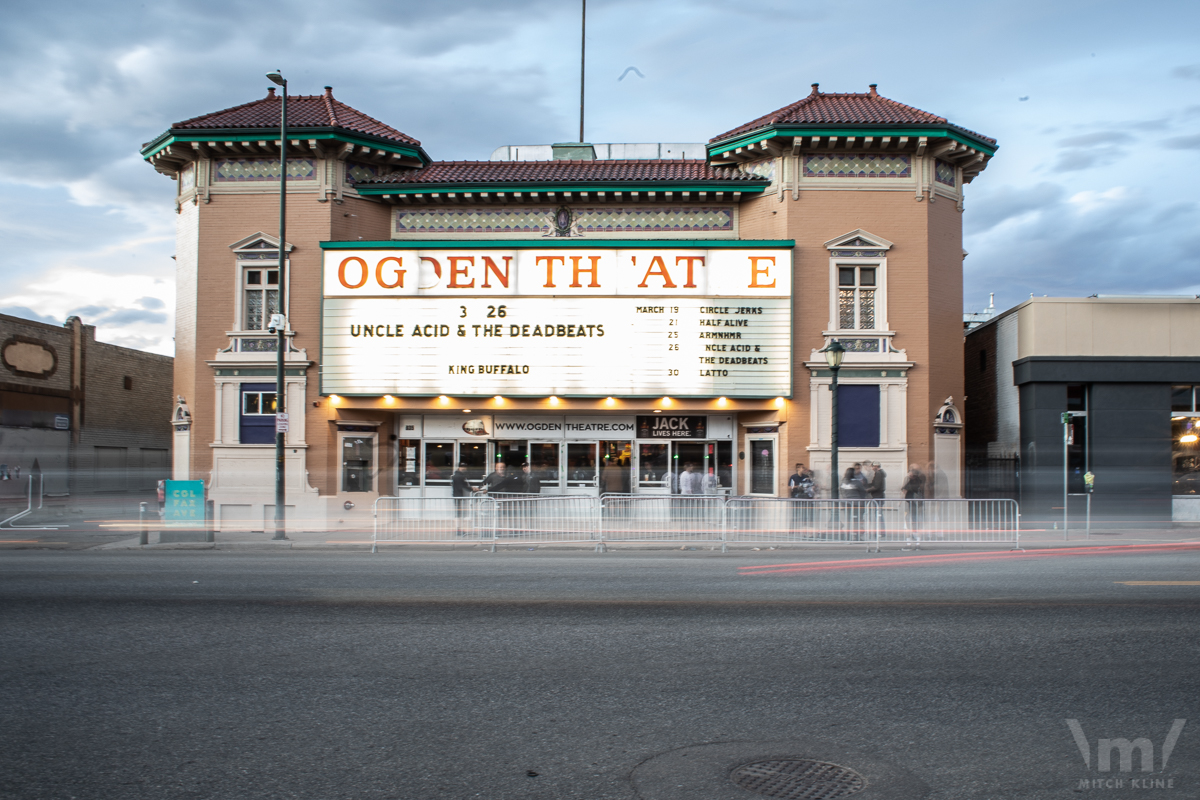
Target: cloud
(1094, 241)
(1006, 203)
(152, 303)
(24, 312)
(1183, 142)
(1188, 72)
(1091, 150)
(129, 316)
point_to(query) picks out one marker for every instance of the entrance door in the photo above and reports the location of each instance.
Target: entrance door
(510, 452)
(616, 467)
(698, 454)
(544, 462)
(582, 473)
(762, 464)
(654, 468)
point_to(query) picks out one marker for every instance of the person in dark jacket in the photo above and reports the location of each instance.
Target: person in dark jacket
(530, 482)
(878, 485)
(914, 491)
(461, 490)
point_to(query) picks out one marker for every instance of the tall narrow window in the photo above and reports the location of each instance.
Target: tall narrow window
(261, 287)
(856, 298)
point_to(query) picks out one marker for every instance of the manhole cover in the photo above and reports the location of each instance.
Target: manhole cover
(798, 779)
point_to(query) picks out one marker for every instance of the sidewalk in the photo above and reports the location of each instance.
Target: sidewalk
(362, 540)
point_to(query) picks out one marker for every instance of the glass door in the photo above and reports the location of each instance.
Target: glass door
(616, 467)
(762, 465)
(581, 465)
(543, 462)
(439, 466)
(654, 471)
(408, 465)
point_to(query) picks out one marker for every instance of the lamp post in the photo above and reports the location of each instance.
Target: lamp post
(278, 320)
(834, 352)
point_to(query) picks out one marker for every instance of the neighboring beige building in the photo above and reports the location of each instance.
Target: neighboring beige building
(1123, 369)
(862, 196)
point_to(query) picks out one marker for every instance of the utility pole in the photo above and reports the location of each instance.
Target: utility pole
(582, 62)
(279, 320)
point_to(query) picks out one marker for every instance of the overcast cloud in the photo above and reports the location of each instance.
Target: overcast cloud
(1093, 190)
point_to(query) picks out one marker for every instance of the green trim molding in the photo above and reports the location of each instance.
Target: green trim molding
(514, 244)
(960, 135)
(272, 135)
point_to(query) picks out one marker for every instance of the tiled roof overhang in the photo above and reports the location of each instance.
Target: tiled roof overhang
(555, 176)
(174, 136)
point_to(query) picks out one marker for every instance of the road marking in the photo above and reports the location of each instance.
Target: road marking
(1159, 583)
(19, 541)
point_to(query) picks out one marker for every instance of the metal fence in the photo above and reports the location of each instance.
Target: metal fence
(700, 519)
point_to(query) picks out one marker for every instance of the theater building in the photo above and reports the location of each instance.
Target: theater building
(604, 315)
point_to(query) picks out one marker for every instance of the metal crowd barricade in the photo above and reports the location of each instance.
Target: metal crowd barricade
(539, 519)
(544, 519)
(960, 521)
(662, 517)
(428, 519)
(776, 520)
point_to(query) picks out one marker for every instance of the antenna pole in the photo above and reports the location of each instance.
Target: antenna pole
(582, 53)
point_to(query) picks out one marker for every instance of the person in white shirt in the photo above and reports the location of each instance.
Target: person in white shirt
(689, 481)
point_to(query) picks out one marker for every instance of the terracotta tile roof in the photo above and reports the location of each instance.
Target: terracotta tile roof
(821, 108)
(566, 171)
(304, 111)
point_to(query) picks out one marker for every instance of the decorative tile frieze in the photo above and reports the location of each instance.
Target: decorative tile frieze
(654, 220)
(763, 169)
(248, 170)
(584, 221)
(943, 172)
(857, 165)
(473, 220)
(356, 172)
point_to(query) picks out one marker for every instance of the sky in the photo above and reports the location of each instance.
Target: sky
(1096, 106)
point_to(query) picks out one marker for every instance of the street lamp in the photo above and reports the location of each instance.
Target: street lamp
(278, 320)
(834, 353)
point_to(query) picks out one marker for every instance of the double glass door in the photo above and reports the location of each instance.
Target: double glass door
(604, 466)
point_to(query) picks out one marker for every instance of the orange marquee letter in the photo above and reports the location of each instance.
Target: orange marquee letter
(661, 271)
(399, 273)
(366, 272)
(756, 270)
(489, 266)
(576, 269)
(691, 260)
(549, 262)
(456, 270)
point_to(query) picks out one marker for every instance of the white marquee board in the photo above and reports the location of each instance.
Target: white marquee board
(573, 322)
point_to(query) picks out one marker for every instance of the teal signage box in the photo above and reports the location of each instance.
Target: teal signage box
(184, 503)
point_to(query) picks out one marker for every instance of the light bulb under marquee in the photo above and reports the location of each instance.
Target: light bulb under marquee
(610, 402)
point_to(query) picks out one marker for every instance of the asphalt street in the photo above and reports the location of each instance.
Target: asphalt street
(224, 674)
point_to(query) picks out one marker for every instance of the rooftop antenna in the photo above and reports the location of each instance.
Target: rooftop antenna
(582, 53)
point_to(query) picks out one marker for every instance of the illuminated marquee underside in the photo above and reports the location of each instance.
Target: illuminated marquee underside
(704, 324)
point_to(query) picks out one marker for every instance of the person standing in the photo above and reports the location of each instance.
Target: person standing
(689, 481)
(914, 493)
(878, 484)
(461, 490)
(530, 482)
(495, 481)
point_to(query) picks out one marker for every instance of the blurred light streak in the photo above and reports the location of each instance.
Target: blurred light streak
(954, 558)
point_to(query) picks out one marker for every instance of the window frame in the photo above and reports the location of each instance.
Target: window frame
(879, 264)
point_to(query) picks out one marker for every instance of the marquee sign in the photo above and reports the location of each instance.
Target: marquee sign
(541, 321)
